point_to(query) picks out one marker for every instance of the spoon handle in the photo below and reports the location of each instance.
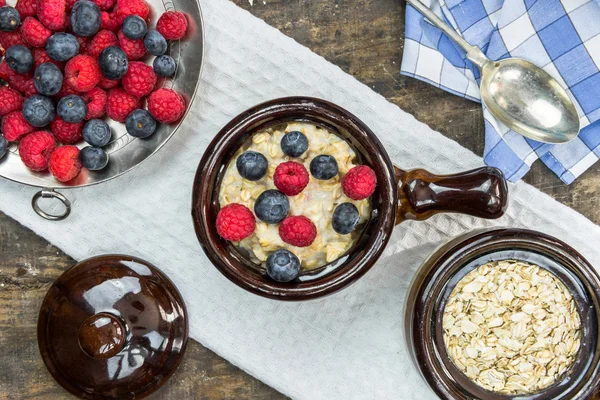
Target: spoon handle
(473, 52)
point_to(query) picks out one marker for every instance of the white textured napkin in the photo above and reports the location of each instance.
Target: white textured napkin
(346, 346)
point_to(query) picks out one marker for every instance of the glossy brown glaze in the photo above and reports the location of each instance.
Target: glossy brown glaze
(440, 273)
(112, 327)
(363, 255)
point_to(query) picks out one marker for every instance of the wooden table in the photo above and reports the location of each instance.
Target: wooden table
(364, 38)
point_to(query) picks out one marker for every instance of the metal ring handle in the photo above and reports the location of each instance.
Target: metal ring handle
(51, 194)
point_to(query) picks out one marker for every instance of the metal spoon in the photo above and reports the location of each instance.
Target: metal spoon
(520, 94)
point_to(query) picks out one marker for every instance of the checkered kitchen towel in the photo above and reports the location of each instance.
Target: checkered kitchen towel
(563, 37)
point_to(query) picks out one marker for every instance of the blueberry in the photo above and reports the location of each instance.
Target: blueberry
(113, 63)
(38, 110)
(283, 266)
(155, 43)
(294, 144)
(47, 79)
(164, 66)
(140, 124)
(345, 218)
(3, 146)
(62, 46)
(252, 165)
(85, 18)
(134, 27)
(272, 206)
(10, 19)
(323, 167)
(93, 158)
(72, 108)
(96, 132)
(19, 58)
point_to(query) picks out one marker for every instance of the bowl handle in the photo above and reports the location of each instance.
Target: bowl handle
(481, 192)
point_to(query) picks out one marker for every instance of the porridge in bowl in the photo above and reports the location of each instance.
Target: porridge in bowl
(295, 198)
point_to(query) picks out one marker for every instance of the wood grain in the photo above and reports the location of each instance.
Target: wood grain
(364, 38)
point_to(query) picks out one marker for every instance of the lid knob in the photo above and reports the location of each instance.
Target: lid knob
(102, 336)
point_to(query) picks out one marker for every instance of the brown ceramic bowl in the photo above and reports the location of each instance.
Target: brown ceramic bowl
(400, 195)
(451, 262)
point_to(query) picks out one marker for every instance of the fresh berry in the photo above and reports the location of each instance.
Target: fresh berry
(294, 144)
(5, 70)
(62, 46)
(102, 40)
(10, 19)
(10, 100)
(48, 79)
(96, 133)
(72, 108)
(283, 266)
(8, 39)
(298, 231)
(166, 105)
(26, 8)
(38, 110)
(323, 167)
(134, 27)
(172, 25)
(82, 73)
(140, 124)
(22, 82)
(291, 178)
(252, 165)
(235, 222)
(120, 104)
(65, 90)
(84, 44)
(34, 32)
(272, 206)
(134, 49)
(85, 18)
(108, 83)
(105, 5)
(2, 3)
(66, 132)
(139, 80)
(93, 158)
(3, 147)
(40, 56)
(109, 21)
(345, 218)
(155, 43)
(19, 58)
(164, 66)
(69, 6)
(35, 150)
(14, 126)
(64, 163)
(113, 63)
(52, 13)
(96, 102)
(359, 183)
(126, 8)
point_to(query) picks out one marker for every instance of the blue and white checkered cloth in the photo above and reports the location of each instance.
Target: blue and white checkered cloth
(561, 36)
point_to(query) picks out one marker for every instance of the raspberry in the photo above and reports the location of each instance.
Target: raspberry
(14, 126)
(82, 73)
(65, 90)
(2, 3)
(134, 49)
(235, 222)
(34, 32)
(29, 88)
(166, 105)
(35, 150)
(69, 5)
(52, 13)
(22, 82)
(105, 5)
(66, 132)
(40, 56)
(10, 100)
(291, 178)
(172, 25)
(8, 39)
(27, 8)
(359, 183)
(5, 70)
(102, 40)
(298, 231)
(96, 102)
(64, 163)
(139, 80)
(108, 83)
(84, 44)
(109, 21)
(119, 104)
(125, 8)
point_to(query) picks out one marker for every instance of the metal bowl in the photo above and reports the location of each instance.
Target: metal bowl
(125, 151)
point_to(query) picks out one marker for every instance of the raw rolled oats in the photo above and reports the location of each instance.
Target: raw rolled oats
(511, 327)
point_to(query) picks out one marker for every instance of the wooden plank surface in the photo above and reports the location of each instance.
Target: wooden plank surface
(364, 38)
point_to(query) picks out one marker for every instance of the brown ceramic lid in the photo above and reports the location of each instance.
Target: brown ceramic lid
(112, 327)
